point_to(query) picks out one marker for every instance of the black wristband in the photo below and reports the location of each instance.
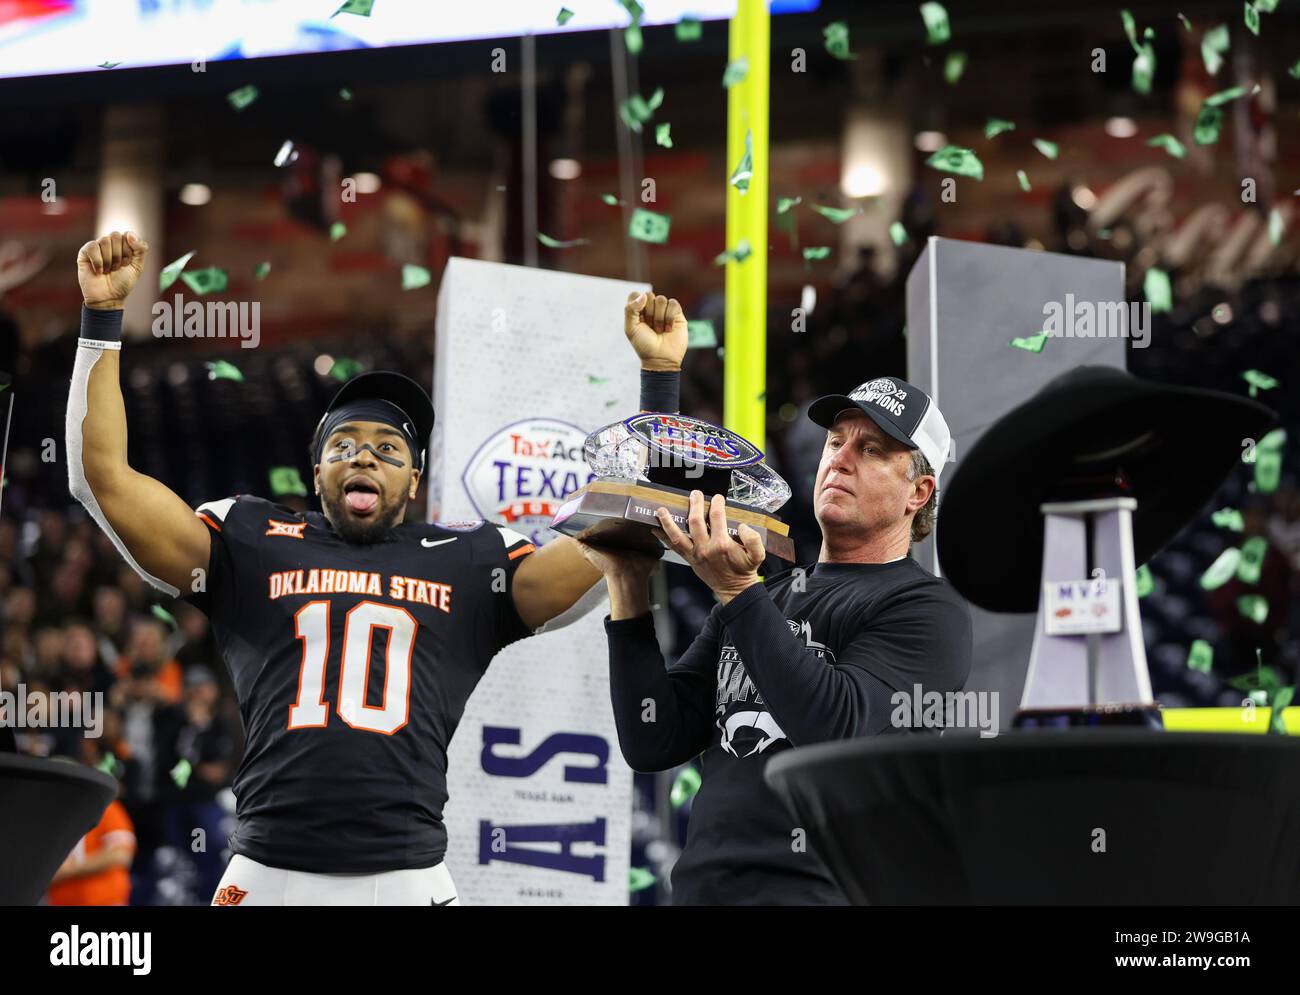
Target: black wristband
(660, 390)
(101, 328)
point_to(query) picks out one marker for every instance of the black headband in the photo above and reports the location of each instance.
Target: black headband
(371, 409)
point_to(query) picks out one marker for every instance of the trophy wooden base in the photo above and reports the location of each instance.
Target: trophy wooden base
(620, 513)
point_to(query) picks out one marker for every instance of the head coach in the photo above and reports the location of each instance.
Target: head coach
(815, 655)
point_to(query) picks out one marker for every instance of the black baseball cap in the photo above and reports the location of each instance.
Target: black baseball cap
(902, 410)
(413, 417)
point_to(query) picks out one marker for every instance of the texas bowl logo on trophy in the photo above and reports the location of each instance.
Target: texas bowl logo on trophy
(522, 474)
(655, 460)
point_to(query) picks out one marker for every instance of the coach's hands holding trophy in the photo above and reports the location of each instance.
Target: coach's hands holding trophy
(656, 327)
(108, 268)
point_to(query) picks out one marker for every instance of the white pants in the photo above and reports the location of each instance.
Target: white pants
(246, 882)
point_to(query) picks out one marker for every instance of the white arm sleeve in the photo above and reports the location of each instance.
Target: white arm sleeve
(78, 486)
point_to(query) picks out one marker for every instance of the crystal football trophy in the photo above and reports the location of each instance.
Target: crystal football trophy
(655, 460)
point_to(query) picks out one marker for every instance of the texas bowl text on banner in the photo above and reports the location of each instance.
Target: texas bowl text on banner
(540, 797)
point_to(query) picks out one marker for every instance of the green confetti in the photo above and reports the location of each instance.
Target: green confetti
(555, 243)
(108, 765)
(1252, 20)
(937, 30)
(414, 277)
(836, 36)
(1144, 69)
(1265, 680)
(345, 93)
(1268, 471)
(689, 28)
(1033, 343)
(1023, 177)
(1187, 25)
(1049, 149)
(172, 270)
(1229, 518)
(1130, 27)
(739, 254)
(1266, 6)
(359, 7)
(344, 369)
(1221, 570)
(636, 110)
(816, 252)
(836, 215)
(1277, 717)
(260, 271)
(700, 334)
(632, 39)
(639, 879)
(108, 65)
(564, 16)
(953, 67)
(1201, 656)
(1159, 292)
(647, 226)
(897, 233)
(1224, 96)
(744, 170)
(1253, 607)
(1294, 71)
(656, 99)
(735, 72)
(633, 8)
(1170, 144)
(611, 200)
(206, 281)
(241, 98)
(953, 159)
(1213, 44)
(1274, 441)
(610, 404)
(594, 380)
(337, 230)
(1276, 226)
(1209, 122)
(1253, 551)
(663, 135)
(685, 786)
(221, 370)
(1144, 583)
(1258, 381)
(997, 125)
(180, 774)
(784, 204)
(163, 615)
(286, 480)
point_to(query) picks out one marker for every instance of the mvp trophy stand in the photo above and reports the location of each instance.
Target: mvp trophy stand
(654, 460)
(1098, 464)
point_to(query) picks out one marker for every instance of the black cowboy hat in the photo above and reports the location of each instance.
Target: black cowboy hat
(1093, 432)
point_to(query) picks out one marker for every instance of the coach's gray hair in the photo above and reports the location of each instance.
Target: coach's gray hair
(923, 523)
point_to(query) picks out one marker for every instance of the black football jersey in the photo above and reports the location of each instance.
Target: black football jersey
(352, 666)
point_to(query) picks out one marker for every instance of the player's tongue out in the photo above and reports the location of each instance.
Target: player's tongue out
(362, 502)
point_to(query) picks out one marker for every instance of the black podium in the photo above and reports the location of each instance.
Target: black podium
(45, 807)
(1188, 818)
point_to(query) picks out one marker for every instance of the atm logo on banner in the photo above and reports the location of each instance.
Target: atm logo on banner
(575, 846)
(522, 473)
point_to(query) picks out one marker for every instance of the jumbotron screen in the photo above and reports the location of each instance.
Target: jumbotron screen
(45, 37)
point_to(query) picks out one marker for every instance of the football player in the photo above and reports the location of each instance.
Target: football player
(353, 638)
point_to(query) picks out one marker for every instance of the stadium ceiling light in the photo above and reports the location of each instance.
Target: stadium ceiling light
(1083, 198)
(56, 206)
(368, 182)
(1121, 127)
(864, 181)
(195, 194)
(324, 363)
(566, 169)
(930, 141)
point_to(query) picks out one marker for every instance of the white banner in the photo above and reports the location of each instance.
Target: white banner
(530, 361)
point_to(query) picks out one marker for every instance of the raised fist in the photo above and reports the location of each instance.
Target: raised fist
(108, 267)
(656, 327)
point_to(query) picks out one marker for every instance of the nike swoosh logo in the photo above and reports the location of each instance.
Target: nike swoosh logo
(430, 543)
(447, 902)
